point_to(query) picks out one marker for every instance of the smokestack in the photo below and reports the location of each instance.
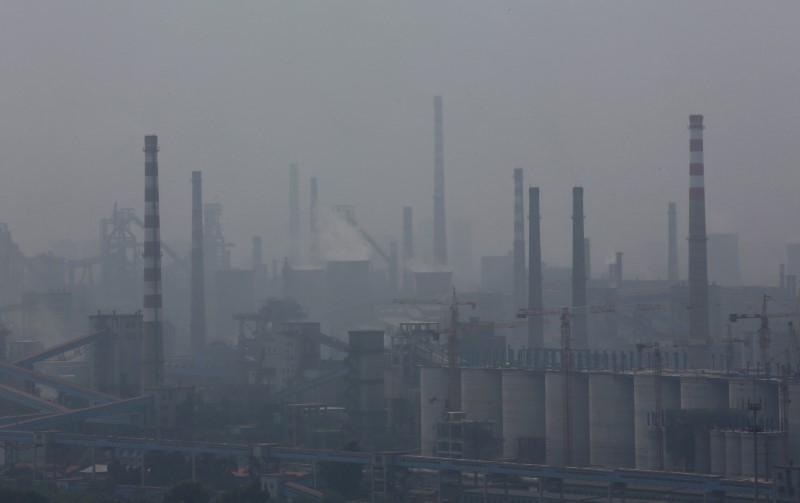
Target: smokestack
(152, 335)
(198, 296)
(782, 276)
(587, 253)
(535, 323)
(698, 260)
(618, 269)
(672, 246)
(579, 339)
(258, 261)
(520, 295)
(314, 224)
(439, 228)
(408, 249)
(393, 280)
(294, 212)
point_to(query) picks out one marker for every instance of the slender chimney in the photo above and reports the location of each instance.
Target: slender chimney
(672, 246)
(439, 227)
(258, 258)
(618, 269)
(698, 261)
(520, 295)
(782, 276)
(152, 335)
(587, 254)
(314, 223)
(579, 339)
(393, 280)
(408, 249)
(198, 296)
(535, 323)
(294, 212)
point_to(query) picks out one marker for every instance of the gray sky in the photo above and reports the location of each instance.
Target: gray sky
(589, 93)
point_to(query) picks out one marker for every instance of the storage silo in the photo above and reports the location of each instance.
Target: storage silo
(433, 386)
(523, 409)
(611, 429)
(555, 422)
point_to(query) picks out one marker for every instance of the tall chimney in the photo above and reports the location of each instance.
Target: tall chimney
(698, 261)
(535, 323)
(408, 249)
(152, 334)
(782, 276)
(618, 269)
(520, 295)
(198, 296)
(258, 258)
(672, 246)
(439, 227)
(393, 279)
(587, 254)
(579, 328)
(314, 223)
(294, 212)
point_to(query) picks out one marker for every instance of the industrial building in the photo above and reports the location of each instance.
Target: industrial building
(544, 382)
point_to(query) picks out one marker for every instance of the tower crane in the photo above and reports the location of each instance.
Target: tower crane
(764, 338)
(454, 385)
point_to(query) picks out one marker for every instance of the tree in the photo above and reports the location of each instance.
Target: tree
(187, 492)
(244, 494)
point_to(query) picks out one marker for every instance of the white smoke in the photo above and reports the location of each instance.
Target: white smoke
(338, 240)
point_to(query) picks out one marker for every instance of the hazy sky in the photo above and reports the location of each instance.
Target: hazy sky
(578, 93)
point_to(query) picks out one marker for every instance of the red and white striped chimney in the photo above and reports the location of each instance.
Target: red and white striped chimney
(152, 341)
(698, 260)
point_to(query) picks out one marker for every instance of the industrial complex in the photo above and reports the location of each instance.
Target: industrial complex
(354, 364)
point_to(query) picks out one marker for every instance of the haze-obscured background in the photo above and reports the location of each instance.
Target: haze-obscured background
(578, 93)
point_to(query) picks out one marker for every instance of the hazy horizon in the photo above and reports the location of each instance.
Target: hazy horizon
(590, 94)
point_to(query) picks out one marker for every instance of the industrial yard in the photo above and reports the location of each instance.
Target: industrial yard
(338, 354)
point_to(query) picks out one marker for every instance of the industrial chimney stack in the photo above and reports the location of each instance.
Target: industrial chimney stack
(520, 295)
(152, 336)
(294, 212)
(579, 328)
(439, 227)
(198, 294)
(698, 260)
(535, 323)
(672, 245)
(408, 248)
(314, 222)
